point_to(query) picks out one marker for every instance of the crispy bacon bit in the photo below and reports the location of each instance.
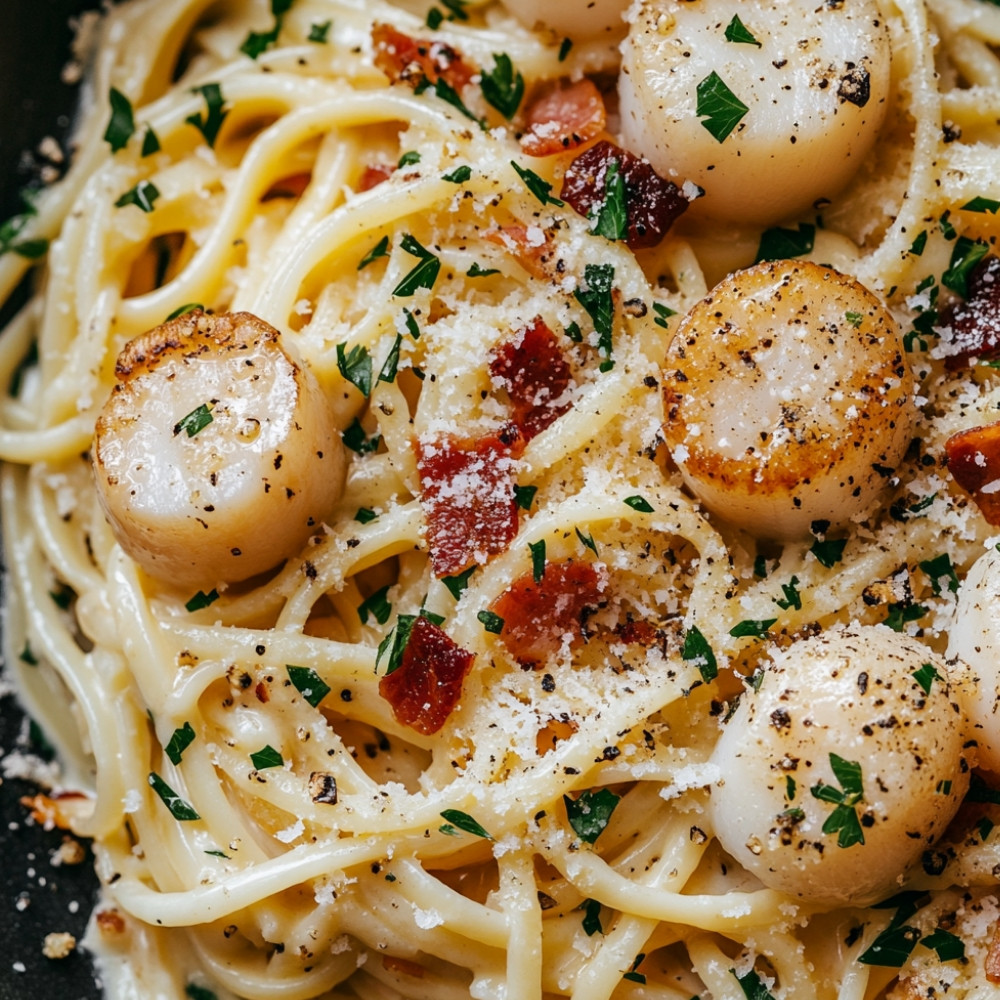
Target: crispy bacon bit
(56, 810)
(467, 493)
(539, 617)
(651, 203)
(531, 245)
(642, 633)
(532, 369)
(992, 963)
(975, 323)
(263, 692)
(415, 61)
(974, 462)
(393, 963)
(374, 174)
(288, 187)
(110, 921)
(563, 115)
(424, 689)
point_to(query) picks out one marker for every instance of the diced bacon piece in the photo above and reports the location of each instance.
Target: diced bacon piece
(652, 204)
(467, 493)
(974, 462)
(375, 174)
(992, 962)
(416, 61)
(563, 115)
(975, 323)
(532, 369)
(426, 686)
(538, 617)
(110, 922)
(57, 810)
(531, 245)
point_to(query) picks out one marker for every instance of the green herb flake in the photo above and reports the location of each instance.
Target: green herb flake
(456, 9)
(196, 992)
(491, 621)
(947, 229)
(854, 319)
(184, 310)
(266, 757)
(756, 627)
(587, 541)
(502, 86)
(537, 560)
(195, 421)
(737, 31)
(790, 788)
(179, 808)
(121, 126)
(408, 159)
(720, 108)
(965, 255)
(202, 600)
(984, 828)
(828, 551)
(475, 271)
(663, 313)
(892, 947)
(215, 112)
(611, 219)
(780, 243)
(27, 656)
(447, 93)
(457, 820)
(459, 175)
(564, 47)
(925, 676)
(395, 643)
(632, 975)
(760, 567)
(365, 515)
(143, 196)
(792, 598)
(574, 332)
(941, 573)
(596, 297)
(524, 496)
(919, 244)
(697, 651)
(356, 366)
(215, 853)
(390, 366)
(981, 204)
(424, 274)
(308, 683)
(30, 249)
(900, 614)
(319, 32)
(949, 947)
(381, 249)
(589, 812)
(537, 186)
(182, 738)
(435, 18)
(638, 503)
(458, 584)
(376, 606)
(591, 917)
(844, 819)
(355, 438)
(752, 985)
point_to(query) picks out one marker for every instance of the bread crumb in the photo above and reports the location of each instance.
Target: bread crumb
(58, 944)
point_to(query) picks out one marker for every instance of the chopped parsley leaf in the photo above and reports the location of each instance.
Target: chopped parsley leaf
(424, 274)
(215, 112)
(377, 606)
(596, 297)
(457, 820)
(752, 627)
(844, 819)
(611, 219)
(319, 32)
(410, 157)
(502, 86)
(792, 598)
(475, 271)
(364, 515)
(202, 600)
(266, 757)
(195, 421)
(524, 496)
(356, 366)
(121, 126)
(458, 583)
(663, 313)
(181, 739)
(193, 991)
(828, 551)
(940, 570)
(981, 204)
(539, 187)
(925, 676)
(779, 243)
(491, 621)
(752, 985)
(696, 650)
(587, 540)
(720, 108)
(184, 310)
(737, 31)
(901, 613)
(391, 365)
(381, 249)
(308, 683)
(179, 808)
(949, 947)
(564, 46)
(591, 917)
(638, 503)
(589, 812)
(143, 196)
(965, 255)
(357, 440)
(919, 244)
(395, 643)
(459, 175)
(537, 560)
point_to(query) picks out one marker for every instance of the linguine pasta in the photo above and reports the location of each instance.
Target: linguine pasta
(268, 821)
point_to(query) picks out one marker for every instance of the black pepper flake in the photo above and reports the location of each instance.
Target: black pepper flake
(855, 87)
(323, 788)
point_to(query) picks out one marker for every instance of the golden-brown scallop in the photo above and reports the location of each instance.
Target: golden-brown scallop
(788, 398)
(216, 454)
(842, 768)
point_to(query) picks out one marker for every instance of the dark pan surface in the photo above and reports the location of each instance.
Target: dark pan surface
(36, 897)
